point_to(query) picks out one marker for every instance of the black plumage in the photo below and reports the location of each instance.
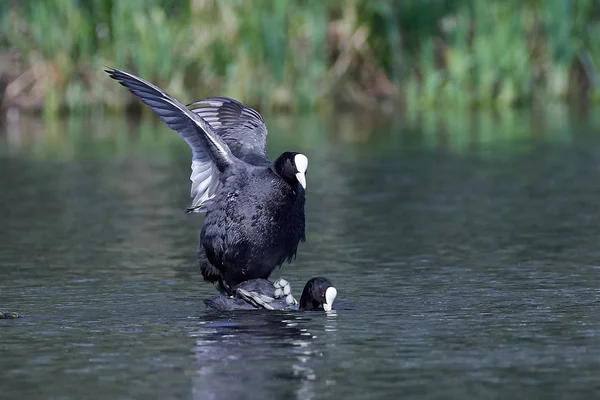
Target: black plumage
(254, 208)
(318, 294)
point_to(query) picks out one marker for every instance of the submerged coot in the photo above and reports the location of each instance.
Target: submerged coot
(318, 294)
(254, 208)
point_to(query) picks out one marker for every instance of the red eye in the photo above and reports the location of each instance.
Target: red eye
(322, 294)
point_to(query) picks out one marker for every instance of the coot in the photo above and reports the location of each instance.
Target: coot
(254, 208)
(318, 294)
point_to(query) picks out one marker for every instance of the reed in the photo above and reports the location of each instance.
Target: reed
(301, 55)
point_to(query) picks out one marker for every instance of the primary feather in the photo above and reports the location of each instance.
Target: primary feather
(210, 154)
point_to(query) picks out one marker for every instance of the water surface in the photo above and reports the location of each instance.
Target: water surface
(464, 249)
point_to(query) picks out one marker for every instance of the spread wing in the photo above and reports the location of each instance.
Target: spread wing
(210, 154)
(242, 128)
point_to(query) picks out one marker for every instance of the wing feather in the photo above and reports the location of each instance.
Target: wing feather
(210, 154)
(242, 128)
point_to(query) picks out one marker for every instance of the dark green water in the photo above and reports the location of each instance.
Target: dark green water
(465, 251)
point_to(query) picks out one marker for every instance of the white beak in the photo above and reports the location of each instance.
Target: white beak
(330, 295)
(301, 162)
(301, 178)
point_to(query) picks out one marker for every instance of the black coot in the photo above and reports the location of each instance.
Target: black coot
(318, 294)
(254, 208)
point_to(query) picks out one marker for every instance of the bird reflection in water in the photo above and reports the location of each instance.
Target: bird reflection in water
(262, 354)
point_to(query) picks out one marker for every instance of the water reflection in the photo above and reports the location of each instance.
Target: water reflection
(487, 133)
(464, 251)
(258, 355)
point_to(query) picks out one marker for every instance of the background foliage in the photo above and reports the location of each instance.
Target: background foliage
(304, 54)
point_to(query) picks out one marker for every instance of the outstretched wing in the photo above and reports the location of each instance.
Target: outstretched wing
(210, 154)
(242, 128)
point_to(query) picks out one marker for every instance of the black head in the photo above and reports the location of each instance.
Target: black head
(318, 293)
(292, 168)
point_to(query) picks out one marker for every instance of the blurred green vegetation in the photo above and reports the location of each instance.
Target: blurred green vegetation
(304, 54)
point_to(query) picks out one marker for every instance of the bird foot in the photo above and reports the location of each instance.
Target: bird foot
(284, 289)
